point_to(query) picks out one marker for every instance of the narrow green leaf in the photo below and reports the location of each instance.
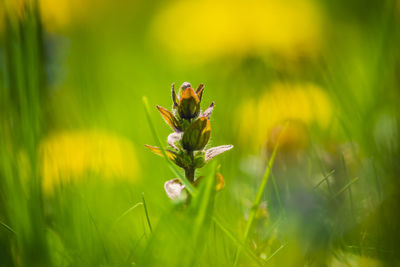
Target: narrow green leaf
(238, 243)
(147, 213)
(345, 187)
(127, 211)
(324, 179)
(8, 228)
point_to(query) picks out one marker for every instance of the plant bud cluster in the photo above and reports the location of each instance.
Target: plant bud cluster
(192, 131)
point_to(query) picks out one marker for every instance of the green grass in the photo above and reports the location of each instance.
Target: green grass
(331, 202)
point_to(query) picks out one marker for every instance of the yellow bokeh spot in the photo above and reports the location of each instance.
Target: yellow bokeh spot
(69, 156)
(203, 29)
(61, 14)
(300, 104)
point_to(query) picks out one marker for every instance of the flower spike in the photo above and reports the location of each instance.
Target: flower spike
(192, 132)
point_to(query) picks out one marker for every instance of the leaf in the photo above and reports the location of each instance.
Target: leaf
(199, 91)
(174, 157)
(170, 118)
(175, 98)
(208, 111)
(158, 151)
(215, 151)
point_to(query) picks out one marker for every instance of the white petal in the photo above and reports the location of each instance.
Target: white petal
(173, 138)
(215, 151)
(174, 189)
(208, 111)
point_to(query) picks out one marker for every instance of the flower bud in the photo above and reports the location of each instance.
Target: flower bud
(197, 135)
(199, 159)
(189, 104)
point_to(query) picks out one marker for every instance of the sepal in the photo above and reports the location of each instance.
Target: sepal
(199, 91)
(173, 156)
(170, 119)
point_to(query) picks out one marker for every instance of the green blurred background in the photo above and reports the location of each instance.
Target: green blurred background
(73, 166)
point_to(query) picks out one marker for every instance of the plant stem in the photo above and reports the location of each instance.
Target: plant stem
(189, 173)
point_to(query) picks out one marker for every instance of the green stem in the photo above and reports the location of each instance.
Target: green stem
(189, 174)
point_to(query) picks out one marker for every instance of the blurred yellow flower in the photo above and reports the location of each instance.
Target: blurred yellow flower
(59, 14)
(68, 156)
(299, 104)
(204, 29)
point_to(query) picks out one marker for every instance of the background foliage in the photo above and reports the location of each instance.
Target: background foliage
(76, 180)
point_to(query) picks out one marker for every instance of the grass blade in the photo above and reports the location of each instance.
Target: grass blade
(127, 211)
(8, 228)
(345, 187)
(147, 213)
(258, 197)
(275, 252)
(350, 193)
(278, 197)
(324, 179)
(231, 236)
